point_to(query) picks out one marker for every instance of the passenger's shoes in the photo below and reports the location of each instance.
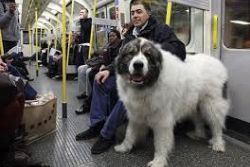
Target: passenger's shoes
(82, 110)
(81, 96)
(88, 134)
(102, 145)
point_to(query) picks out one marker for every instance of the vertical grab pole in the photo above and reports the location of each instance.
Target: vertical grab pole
(1, 44)
(64, 90)
(37, 67)
(169, 13)
(215, 31)
(92, 30)
(30, 42)
(70, 32)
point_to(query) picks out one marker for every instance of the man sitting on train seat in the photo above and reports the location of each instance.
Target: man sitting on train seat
(107, 112)
(104, 58)
(12, 105)
(9, 24)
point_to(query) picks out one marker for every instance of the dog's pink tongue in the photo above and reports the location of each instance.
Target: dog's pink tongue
(136, 78)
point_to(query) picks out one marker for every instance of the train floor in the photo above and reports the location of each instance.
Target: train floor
(60, 149)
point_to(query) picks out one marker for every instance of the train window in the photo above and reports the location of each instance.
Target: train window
(237, 24)
(25, 37)
(101, 36)
(180, 21)
(112, 13)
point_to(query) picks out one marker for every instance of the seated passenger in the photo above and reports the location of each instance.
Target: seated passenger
(106, 57)
(12, 105)
(107, 112)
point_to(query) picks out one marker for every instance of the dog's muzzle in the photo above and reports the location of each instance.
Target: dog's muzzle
(137, 75)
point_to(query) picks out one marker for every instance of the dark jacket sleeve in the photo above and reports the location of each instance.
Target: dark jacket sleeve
(169, 42)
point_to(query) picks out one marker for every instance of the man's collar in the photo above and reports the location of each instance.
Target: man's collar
(137, 30)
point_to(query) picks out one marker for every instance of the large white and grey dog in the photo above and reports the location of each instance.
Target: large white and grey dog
(158, 90)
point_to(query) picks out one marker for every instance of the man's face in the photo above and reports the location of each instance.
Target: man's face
(139, 15)
(83, 14)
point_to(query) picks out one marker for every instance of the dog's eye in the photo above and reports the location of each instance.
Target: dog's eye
(147, 53)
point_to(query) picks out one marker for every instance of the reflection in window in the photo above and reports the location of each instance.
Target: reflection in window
(180, 21)
(237, 24)
(25, 37)
(112, 13)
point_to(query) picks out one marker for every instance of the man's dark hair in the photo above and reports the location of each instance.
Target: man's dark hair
(145, 3)
(85, 9)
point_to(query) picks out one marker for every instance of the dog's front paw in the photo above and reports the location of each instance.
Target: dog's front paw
(157, 163)
(217, 145)
(122, 148)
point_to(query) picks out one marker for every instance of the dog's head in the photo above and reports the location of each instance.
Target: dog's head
(139, 63)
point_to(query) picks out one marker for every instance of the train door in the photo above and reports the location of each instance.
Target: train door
(235, 54)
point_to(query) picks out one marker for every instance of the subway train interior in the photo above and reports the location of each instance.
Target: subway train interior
(50, 50)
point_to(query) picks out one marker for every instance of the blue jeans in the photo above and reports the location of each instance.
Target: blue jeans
(105, 107)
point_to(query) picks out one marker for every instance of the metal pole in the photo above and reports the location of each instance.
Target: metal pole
(92, 30)
(169, 12)
(64, 87)
(1, 44)
(37, 67)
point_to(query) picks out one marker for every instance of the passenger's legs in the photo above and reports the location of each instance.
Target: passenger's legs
(115, 119)
(102, 100)
(82, 78)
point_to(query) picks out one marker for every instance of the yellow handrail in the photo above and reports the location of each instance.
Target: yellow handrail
(1, 44)
(92, 30)
(37, 67)
(30, 39)
(215, 31)
(64, 86)
(168, 13)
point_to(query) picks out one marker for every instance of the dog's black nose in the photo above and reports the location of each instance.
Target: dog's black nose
(138, 65)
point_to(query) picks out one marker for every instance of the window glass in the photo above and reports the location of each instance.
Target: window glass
(112, 13)
(237, 24)
(180, 21)
(25, 37)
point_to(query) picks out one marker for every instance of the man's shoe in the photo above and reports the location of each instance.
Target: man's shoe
(102, 145)
(82, 110)
(88, 134)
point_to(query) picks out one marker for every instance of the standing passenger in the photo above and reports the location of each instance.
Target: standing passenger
(9, 24)
(85, 31)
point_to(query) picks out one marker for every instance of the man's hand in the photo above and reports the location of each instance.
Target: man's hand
(101, 76)
(3, 67)
(12, 8)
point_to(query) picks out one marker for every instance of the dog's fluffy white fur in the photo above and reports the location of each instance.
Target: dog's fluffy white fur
(194, 88)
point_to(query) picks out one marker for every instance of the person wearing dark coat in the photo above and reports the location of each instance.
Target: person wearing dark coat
(107, 112)
(85, 31)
